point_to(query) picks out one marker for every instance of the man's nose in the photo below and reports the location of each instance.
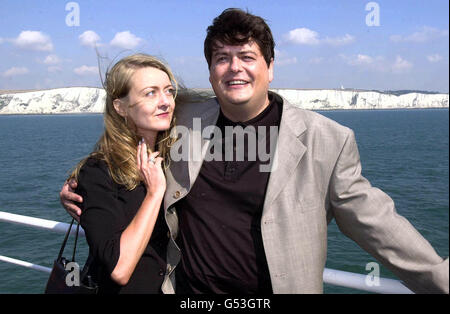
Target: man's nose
(235, 65)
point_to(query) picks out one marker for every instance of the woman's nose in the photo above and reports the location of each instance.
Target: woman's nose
(165, 99)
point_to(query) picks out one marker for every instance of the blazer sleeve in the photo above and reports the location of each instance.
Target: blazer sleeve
(102, 217)
(368, 216)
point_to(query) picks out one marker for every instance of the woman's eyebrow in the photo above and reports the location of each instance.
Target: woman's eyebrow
(147, 87)
(155, 87)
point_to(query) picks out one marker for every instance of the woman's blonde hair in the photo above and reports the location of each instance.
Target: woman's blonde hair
(117, 145)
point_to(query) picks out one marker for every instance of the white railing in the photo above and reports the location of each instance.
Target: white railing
(51, 225)
(330, 276)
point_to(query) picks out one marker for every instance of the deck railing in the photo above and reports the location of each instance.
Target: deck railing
(330, 276)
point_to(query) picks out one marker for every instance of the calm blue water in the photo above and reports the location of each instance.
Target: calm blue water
(403, 152)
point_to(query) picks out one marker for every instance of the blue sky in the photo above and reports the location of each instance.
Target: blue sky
(384, 45)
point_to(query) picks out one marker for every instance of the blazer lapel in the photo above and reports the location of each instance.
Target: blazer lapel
(289, 151)
(199, 142)
(181, 174)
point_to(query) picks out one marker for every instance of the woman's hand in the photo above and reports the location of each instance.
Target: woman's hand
(135, 237)
(150, 167)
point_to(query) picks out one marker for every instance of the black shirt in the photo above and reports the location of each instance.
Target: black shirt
(219, 219)
(107, 209)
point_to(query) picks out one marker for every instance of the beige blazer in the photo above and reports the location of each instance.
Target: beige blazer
(317, 178)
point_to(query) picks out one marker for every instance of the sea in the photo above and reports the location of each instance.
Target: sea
(403, 152)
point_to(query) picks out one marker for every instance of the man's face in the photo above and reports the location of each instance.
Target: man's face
(240, 76)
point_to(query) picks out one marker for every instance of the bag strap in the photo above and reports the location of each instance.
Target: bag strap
(75, 244)
(61, 251)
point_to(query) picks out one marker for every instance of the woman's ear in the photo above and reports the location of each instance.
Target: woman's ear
(120, 107)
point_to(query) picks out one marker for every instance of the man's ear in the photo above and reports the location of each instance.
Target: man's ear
(271, 70)
(209, 78)
(120, 107)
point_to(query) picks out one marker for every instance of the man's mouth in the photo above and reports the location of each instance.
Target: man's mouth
(237, 83)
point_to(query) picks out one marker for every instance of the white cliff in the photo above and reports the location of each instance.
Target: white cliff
(331, 99)
(54, 101)
(92, 100)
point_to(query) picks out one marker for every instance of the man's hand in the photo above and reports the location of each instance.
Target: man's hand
(68, 197)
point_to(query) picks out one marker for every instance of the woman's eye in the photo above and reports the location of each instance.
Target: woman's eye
(150, 93)
(170, 91)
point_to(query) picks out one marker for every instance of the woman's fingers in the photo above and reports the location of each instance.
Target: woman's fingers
(149, 164)
(144, 155)
(138, 155)
(152, 157)
(158, 162)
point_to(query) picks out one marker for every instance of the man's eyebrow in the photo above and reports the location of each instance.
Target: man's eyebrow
(218, 52)
(247, 51)
(221, 52)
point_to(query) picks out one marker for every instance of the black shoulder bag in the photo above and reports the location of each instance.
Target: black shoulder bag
(66, 278)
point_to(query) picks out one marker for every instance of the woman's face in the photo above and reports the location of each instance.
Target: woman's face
(150, 101)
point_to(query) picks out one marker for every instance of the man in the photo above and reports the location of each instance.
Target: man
(237, 229)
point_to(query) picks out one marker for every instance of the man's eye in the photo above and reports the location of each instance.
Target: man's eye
(221, 59)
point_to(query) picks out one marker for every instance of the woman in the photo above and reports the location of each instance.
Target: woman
(122, 181)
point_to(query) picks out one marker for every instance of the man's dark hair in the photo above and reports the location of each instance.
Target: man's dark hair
(236, 27)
